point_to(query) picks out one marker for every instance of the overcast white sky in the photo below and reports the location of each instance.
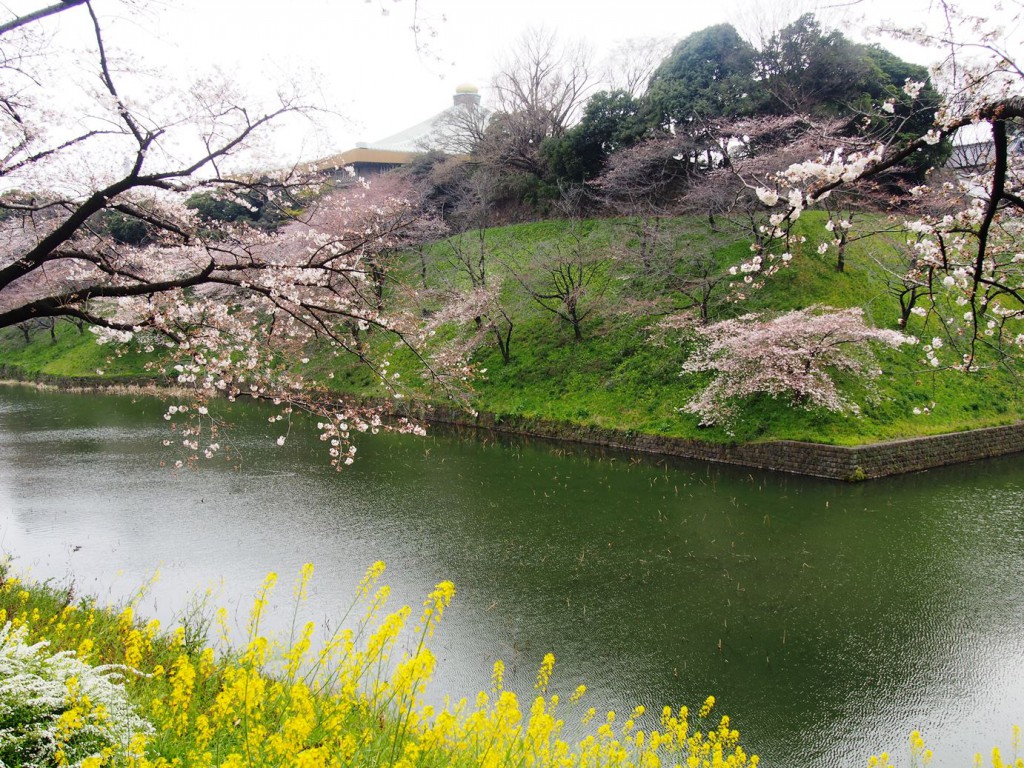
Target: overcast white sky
(364, 59)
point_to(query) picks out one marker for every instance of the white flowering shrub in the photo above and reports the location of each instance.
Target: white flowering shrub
(56, 709)
(792, 355)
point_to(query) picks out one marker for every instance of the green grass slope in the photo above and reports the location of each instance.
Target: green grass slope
(626, 372)
(68, 354)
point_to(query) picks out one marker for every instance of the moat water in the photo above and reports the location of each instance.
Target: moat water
(829, 620)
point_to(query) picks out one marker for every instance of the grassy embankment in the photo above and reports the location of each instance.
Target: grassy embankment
(110, 691)
(625, 373)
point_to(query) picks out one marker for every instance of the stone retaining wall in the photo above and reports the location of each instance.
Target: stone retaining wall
(835, 462)
(829, 461)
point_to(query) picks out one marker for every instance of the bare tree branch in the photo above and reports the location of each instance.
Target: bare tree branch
(42, 13)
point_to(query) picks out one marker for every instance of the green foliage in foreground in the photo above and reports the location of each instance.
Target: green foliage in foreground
(625, 373)
(358, 700)
(55, 709)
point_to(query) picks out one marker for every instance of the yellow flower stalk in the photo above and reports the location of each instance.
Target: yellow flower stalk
(302, 585)
(370, 579)
(544, 673)
(260, 603)
(353, 703)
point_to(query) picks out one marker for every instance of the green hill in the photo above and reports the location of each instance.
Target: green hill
(625, 371)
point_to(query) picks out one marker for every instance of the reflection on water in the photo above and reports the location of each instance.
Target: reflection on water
(829, 620)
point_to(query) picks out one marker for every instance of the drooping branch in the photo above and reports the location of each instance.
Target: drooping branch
(100, 227)
(65, 303)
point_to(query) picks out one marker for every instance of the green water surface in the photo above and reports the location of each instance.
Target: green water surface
(829, 620)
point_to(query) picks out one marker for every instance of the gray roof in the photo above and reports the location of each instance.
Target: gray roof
(414, 139)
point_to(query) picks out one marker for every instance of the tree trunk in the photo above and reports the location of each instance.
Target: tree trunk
(577, 332)
(504, 343)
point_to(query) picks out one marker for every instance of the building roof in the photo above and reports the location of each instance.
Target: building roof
(400, 148)
(412, 139)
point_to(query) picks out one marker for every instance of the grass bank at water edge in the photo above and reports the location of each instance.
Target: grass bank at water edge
(87, 686)
(90, 686)
(625, 373)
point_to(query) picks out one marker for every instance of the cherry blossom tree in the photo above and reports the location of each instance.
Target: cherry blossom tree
(272, 300)
(967, 253)
(567, 278)
(473, 277)
(698, 279)
(85, 135)
(896, 268)
(792, 355)
(385, 216)
(486, 308)
(642, 184)
(648, 175)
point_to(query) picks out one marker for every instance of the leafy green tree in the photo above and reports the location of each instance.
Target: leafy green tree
(126, 230)
(708, 74)
(262, 204)
(808, 70)
(912, 114)
(213, 206)
(888, 73)
(611, 121)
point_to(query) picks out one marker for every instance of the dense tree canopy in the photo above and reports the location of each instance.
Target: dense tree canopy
(714, 77)
(707, 75)
(612, 121)
(805, 69)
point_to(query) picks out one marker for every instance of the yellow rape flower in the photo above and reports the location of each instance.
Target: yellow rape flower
(221, 619)
(302, 585)
(297, 653)
(85, 648)
(433, 607)
(260, 603)
(133, 645)
(183, 680)
(498, 676)
(709, 704)
(544, 673)
(373, 574)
